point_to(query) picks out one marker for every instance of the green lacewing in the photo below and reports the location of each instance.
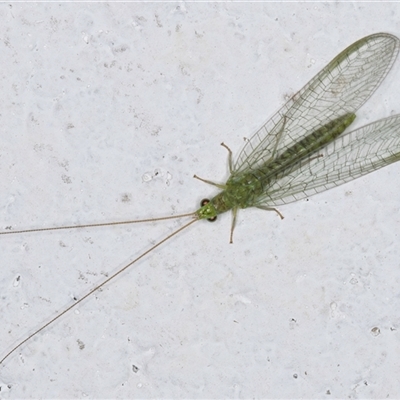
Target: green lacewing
(303, 149)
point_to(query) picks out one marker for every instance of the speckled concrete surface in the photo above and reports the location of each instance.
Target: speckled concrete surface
(107, 111)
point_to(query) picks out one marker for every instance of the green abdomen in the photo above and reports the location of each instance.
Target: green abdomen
(243, 189)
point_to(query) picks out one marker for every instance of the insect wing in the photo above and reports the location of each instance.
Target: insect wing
(341, 87)
(350, 156)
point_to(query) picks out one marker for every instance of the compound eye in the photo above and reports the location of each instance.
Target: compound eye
(203, 203)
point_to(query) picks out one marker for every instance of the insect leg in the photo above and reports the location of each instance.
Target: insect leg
(218, 185)
(234, 213)
(230, 162)
(271, 209)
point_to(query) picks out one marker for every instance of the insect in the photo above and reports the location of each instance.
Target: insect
(302, 150)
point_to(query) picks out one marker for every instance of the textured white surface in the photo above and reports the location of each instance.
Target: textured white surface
(107, 111)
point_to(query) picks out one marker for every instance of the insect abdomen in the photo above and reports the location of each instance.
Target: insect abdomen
(316, 140)
(304, 148)
(244, 189)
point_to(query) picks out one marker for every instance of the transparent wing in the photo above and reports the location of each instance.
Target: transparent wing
(341, 87)
(350, 156)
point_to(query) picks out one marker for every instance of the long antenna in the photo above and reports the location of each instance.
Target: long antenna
(9, 232)
(104, 282)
